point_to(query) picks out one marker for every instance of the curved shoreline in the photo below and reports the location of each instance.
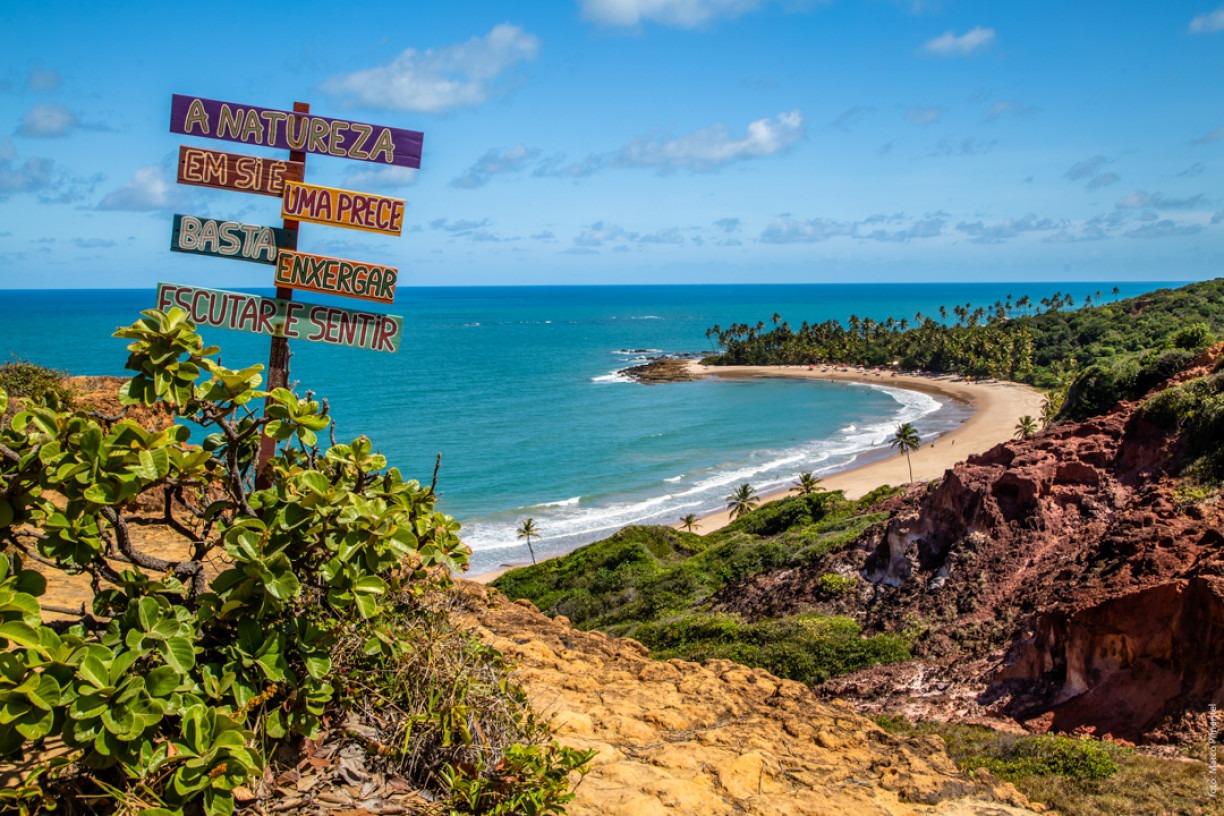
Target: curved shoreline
(996, 406)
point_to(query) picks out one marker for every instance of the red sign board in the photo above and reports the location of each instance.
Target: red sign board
(231, 171)
(290, 319)
(333, 276)
(342, 208)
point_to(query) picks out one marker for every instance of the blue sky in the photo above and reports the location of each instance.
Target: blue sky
(639, 141)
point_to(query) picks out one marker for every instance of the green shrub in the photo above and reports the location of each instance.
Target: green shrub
(175, 688)
(834, 585)
(23, 381)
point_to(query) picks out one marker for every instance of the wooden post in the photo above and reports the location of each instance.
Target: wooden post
(278, 356)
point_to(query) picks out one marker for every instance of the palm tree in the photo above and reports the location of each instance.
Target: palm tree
(906, 439)
(688, 522)
(742, 500)
(1026, 427)
(528, 530)
(1050, 408)
(807, 483)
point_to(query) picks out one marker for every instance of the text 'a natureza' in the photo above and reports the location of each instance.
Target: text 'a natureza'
(288, 130)
(334, 276)
(342, 208)
(231, 171)
(292, 319)
(228, 239)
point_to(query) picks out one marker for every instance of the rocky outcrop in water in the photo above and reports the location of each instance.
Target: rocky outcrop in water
(1064, 582)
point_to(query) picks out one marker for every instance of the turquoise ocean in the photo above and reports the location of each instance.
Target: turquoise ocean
(517, 388)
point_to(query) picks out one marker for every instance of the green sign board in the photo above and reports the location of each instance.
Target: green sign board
(290, 319)
(229, 239)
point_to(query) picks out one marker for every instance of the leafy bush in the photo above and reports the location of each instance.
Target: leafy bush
(806, 648)
(23, 381)
(1196, 409)
(833, 585)
(189, 670)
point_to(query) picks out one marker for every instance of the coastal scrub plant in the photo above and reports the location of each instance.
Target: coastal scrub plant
(906, 440)
(226, 621)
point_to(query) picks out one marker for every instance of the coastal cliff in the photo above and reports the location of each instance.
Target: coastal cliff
(1072, 581)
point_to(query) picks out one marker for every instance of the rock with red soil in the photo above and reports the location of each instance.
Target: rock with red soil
(1063, 580)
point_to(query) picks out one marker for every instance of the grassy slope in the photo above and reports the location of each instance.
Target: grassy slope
(649, 583)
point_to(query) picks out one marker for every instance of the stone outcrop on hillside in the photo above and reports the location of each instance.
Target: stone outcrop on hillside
(717, 738)
(1064, 581)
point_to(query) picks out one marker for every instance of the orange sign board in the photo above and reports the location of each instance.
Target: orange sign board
(342, 208)
(334, 276)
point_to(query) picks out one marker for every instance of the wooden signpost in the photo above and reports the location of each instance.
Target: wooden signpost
(229, 239)
(342, 208)
(282, 318)
(288, 319)
(230, 171)
(296, 130)
(333, 276)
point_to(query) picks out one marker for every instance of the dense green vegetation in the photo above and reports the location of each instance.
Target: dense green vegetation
(267, 615)
(649, 582)
(23, 380)
(1196, 410)
(1076, 777)
(1109, 350)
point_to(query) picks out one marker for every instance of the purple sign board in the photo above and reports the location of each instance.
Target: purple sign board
(286, 130)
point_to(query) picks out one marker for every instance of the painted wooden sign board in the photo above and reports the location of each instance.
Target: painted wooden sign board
(229, 239)
(286, 130)
(342, 208)
(334, 276)
(291, 319)
(232, 171)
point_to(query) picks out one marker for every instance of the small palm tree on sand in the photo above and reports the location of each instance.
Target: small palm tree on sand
(1026, 427)
(742, 500)
(528, 530)
(806, 484)
(688, 522)
(906, 439)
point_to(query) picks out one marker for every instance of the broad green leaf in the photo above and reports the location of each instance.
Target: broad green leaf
(20, 633)
(178, 653)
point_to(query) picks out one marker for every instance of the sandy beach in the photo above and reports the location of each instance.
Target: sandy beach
(996, 407)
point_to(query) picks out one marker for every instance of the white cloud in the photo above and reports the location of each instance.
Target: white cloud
(382, 178)
(680, 13)
(146, 190)
(1140, 199)
(1103, 180)
(495, 162)
(713, 147)
(47, 121)
(1001, 231)
(30, 176)
(847, 119)
(1214, 136)
(1208, 23)
(949, 44)
(438, 79)
(998, 109)
(1086, 168)
(43, 81)
(923, 116)
(1163, 229)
